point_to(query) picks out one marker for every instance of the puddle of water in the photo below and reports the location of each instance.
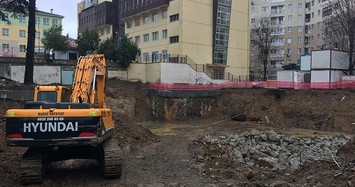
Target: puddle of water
(164, 129)
(308, 133)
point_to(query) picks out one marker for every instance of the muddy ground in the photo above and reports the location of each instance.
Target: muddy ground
(169, 153)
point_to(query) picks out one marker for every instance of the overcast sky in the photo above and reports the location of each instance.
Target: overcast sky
(66, 8)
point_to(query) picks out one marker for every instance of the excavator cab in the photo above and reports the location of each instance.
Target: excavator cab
(52, 94)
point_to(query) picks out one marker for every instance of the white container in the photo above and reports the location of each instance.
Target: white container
(290, 76)
(306, 63)
(325, 76)
(285, 76)
(329, 59)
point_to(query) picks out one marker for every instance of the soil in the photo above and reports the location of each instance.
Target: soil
(164, 154)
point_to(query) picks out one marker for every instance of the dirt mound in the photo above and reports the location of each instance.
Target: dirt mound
(131, 135)
(6, 83)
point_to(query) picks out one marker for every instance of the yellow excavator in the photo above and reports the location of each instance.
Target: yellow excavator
(61, 124)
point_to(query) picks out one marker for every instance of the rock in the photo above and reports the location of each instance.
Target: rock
(200, 158)
(249, 174)
(267, 162)
(239, 117)
(267, 120)
(237, 155)
(272, 136)
(294, 163)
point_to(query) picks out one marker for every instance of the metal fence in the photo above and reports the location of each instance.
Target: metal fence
(345, 84)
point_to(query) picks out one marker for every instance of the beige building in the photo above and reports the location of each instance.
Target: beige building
(210, 35)
(301, 22)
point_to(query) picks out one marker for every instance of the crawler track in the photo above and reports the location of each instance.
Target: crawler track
(32, 167)
(112, 159)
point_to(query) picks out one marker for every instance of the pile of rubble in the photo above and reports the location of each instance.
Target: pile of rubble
(268, 149)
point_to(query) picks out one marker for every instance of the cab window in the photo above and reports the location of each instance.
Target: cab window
(47, 96)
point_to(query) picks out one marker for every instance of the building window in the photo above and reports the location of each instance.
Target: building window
(299, 40)
(165, 55)
(55, 22)
(155, 17)
(22, 33)
(38, 20)
(218, 74)
(289, 18)
(165, 14)
(299, 28)
(220, 56)
(129, 24)
(289, 29)
(137, 39)
(174, 17)
(22, 19)
(300, 18)
(222, 35)
(289, 6)
(300, 6)
(155, 36)
(299, 50)
(155, 56)
(6, 48)
(38, 34)
(174, 39)
(264, 9)
(252, 10)
(137, 22)
(146, 37)
(289, 40)
(5, 32)
(145, 20)
(225, 2)
(223, 15)
(6, 16)
(22, 48)
(45, 21)
(145, 57)
(165, 34)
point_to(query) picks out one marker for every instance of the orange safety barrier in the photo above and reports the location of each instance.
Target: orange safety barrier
(345, 84)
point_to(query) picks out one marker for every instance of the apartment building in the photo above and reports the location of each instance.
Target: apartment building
(211, 35)
(301, 22)
(13, 38)
(100, 16)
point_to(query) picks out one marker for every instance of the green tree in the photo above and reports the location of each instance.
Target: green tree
(88, 41)
(127, 51)
(15, 7)
(23, 7)
(291, 66)
(109, 48)
(54, 40)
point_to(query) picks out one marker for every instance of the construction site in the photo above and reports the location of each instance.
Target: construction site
(240, 137)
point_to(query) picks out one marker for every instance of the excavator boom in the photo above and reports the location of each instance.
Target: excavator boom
(89, 80)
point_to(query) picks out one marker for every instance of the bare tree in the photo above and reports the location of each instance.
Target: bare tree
(340, 28)
(265, 34)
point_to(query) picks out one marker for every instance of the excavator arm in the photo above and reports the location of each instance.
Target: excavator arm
(89, 80)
